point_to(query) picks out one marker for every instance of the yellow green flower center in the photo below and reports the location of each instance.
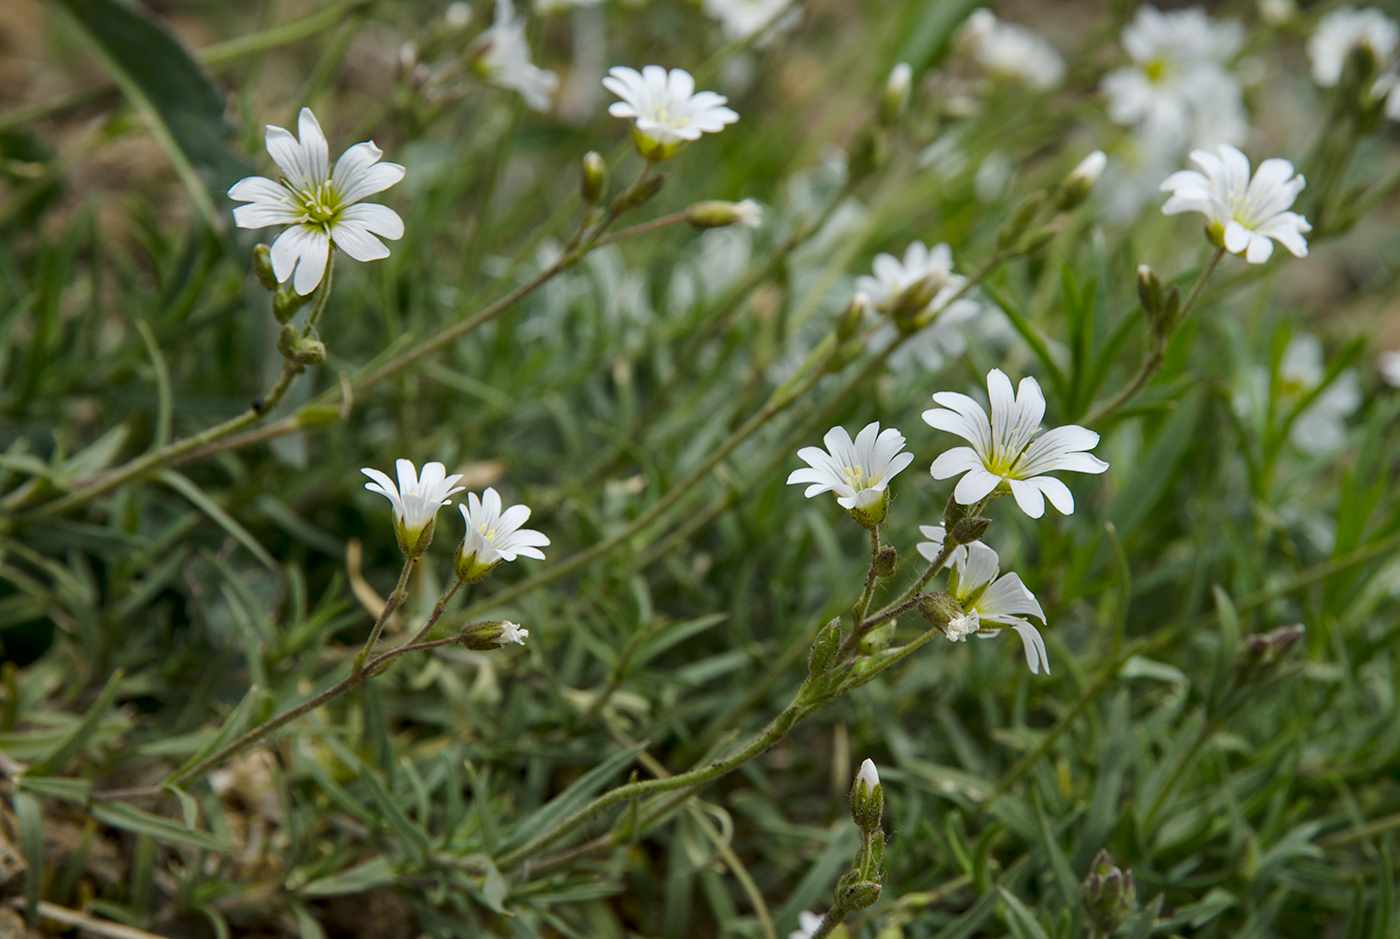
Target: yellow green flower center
(319, 205)
(857, 480)
(489, 535)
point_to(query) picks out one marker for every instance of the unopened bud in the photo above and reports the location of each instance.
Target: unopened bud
(1075, 189)
(302, 350)
(717, 214)
(867, 798)
(915, 298)
(1260, 654)
(896, 97)
(954, 512)
(1150, 292)
(1020, 220)
(594, 177)
(484, 636)
(885, 562)
(825, 648)
(643, 193)
(262, 267)
(859, 895)
(1108, 893)
(969, 529)
(848, 324)
(286, 302)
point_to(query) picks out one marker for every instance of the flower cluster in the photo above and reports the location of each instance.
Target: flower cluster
(1008, 455)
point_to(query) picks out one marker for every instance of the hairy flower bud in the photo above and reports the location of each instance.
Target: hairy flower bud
(867, 798)
(1075, 189)
(954, 512)
(885, 562)
(939, 609)
(896, 97)
(1260, 654)
(643, 193)
(1108, 894)
(299, 349)
(970, 529)
(285, 303)
(859, 895)
(594, 181)
(718, 214)
(825, 648)
(484, 636)
(262, 267)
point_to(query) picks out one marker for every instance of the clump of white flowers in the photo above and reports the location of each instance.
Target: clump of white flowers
(320, 205)
(416, 500)
(1008, 451)
(1011, 51)
(666, 111)
(503, 59)
(857, 472)
(1242, 213)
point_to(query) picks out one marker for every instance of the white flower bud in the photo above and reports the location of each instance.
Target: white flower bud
(869, 776)
(717, 214)
(896, 97)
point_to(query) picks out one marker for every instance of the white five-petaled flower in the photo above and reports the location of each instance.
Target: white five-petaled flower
(494, 536)
(1006, 449)
(320, 205)
(416, 500)
(1012, 51)
(512, 632)
(665, 109)
(504, 59)
(1178, 90)
(893, 277)
(807, 925)
(741, 19)
(986, 598)
(856, 472)
(1243, 213)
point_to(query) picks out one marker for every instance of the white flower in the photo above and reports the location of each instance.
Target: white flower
(1012, 51)
(1005, 449)
(320, 204)
(512, 632)
(494, 536)
(1177, 90)
(749, 214)
(985, 598)
(808, 924)
(665, 109)
(1321, 427)
(893, 277)
(1389, 365)
(740, 19)
(416, 499)
(504, 59)
(1344, 30)
(856, 472)
(1243, 213)
(869, 776)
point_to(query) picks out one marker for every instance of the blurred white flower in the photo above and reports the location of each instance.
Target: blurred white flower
(665, 109)
(893, 276)
(1006, 449)
(503, 59)
(1277, 12)
(1344, 30)
(1389, 365)
(856, 472)
(807, 925)
(494, 535)
(740, 19)
(1178, 91)
(941, 338)
(1010, 51)
(987, 599)
(416, 499)
(512, 632)
(1243, 213)
(457, 16)
(320, 204)
(1321, 427)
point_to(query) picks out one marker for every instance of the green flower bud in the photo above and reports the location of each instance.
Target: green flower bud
(885, 562)
(1260, 654)
(262, 267)
(969, 529)
(1077, 185)
(848, 324)
(286, 302)
(1020, 220)
(914, 299)
(867, 798)
(594, 180)
(632, 198)
(896, 98)
(859, 895)
(1108, 893)
(939, 609)
(298, 349)
(825, 648)
(718, 214)
(954, 512)
(485, 636)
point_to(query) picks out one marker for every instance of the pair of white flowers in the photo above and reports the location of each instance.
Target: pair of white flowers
(322, 205)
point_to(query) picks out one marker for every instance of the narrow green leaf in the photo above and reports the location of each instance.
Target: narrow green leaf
(1021, 915)
(208, 506)
(55, 787)
(571, 798)
(164, 401)
(129, 818)
(413, 838)
(78, 737)
(31, 838)
(232, 727)
(377, 872)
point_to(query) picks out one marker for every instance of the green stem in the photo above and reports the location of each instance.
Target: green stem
(830, 921)
(395, 600)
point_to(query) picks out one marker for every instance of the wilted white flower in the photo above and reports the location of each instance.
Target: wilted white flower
(1321, 427)
(416, 500)
(494, 536)
(512, 632)
(1006, 450)
(1012, 51)
(320, 204)
(665, 109)
(1178, 90)
(807, 925)
(1243, 213)
(1344, 30)
(856, 472)
(987, 599)
(503, 59)
(740, 19)
(1389, 365)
